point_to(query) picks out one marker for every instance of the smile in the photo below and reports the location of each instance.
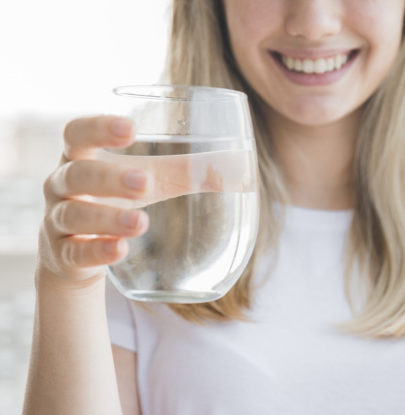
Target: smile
(319, 71)
(321, 65)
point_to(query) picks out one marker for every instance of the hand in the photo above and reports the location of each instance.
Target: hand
(67, 255)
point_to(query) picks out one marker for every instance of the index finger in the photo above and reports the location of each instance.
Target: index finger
(83, 136)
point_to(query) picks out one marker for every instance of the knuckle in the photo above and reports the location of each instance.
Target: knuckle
(47, 222)
(71, 173)
(62, 215)
(44, 234)
(69, 129)
(47, 188)
(68, 253)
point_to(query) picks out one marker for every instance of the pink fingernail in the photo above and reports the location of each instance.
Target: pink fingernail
(121, 127)
(143, 221)
(135, 180)
(128, 218)
(110, 247)
(113, 247)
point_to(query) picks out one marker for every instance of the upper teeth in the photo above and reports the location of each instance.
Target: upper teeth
(315, 66)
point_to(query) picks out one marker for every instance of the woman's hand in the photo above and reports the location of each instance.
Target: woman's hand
(68, 256)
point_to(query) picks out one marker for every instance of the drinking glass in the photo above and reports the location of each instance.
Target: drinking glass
(197, 147)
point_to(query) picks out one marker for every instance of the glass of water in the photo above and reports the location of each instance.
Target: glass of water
(196, 145)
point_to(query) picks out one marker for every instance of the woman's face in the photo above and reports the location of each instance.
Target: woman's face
(314, 37)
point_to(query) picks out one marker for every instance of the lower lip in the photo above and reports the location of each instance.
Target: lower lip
(326, 78)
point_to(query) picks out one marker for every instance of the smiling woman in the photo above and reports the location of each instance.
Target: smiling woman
(312, 29)
(328, 162)
(316, 324)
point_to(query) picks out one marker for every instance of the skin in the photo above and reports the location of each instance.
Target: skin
(314, 128)
(72, 369)
(62, 251)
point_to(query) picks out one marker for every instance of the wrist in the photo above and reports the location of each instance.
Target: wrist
(47, 280)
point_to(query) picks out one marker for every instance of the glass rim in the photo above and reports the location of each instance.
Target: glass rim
(143, 91)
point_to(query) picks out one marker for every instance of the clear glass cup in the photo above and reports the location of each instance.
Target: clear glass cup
(197, 146)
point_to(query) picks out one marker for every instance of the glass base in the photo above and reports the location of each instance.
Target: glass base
(174, 296)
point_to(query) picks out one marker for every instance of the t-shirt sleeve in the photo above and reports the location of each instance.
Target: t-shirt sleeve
(120, 320)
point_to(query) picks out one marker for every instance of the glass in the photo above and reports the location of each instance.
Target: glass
(197, 146)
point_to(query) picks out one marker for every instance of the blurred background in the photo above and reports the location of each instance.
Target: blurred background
(59, 60)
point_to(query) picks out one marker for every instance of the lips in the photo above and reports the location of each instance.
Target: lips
(315, 79)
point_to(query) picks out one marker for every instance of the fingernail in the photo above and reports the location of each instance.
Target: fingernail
(143, 221)
(128, 218)
(135, 180)
(112, 247)
(121, 127)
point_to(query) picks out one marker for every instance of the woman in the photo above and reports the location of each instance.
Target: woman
(317, 328)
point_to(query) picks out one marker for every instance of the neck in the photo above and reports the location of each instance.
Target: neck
(317, 161)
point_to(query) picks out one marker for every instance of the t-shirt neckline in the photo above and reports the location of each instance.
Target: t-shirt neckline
(302, 217)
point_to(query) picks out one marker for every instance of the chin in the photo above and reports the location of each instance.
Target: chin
(313, 115)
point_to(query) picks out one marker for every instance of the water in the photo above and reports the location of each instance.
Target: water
(196, 248)
(203, 210)
(173, 173)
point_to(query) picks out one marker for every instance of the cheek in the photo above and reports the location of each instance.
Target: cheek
(380, 26)
(384, 47)
(251, 22)
(380, 29)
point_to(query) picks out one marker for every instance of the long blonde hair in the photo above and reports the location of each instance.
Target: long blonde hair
(200, 54)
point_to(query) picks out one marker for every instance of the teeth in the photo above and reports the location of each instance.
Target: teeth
(318, 66)
(330, 64)
(321, 66)
(297, 65)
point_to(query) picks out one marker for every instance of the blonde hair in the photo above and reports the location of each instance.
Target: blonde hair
(200, 54)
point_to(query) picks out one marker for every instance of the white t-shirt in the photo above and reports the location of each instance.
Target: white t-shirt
(289, 361)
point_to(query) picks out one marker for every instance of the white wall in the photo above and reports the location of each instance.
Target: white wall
(63, 56)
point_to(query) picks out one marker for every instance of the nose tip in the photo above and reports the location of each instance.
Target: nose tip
(312, 21)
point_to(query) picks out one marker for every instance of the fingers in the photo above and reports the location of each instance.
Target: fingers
(65, 246)
(83, 136)
(77, 217)
(77, 252)
(96, 178)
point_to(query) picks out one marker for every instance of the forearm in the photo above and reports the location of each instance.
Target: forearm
(71, 367)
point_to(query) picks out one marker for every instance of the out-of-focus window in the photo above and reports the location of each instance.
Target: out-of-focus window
(59, 60)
